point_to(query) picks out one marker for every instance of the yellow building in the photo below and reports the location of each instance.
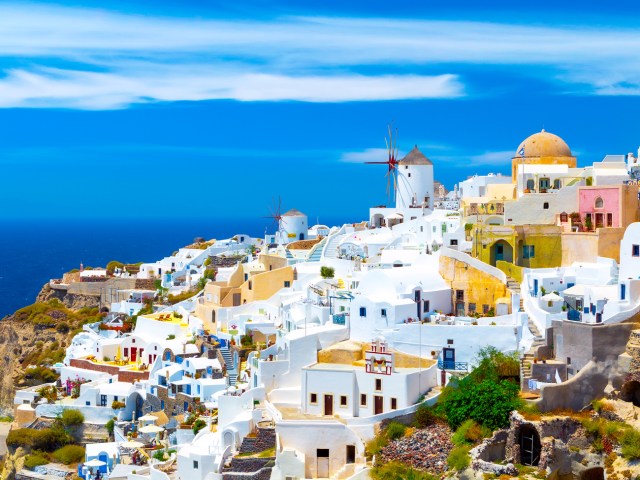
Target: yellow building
(542, 148)
(250, 282)
(530, 246)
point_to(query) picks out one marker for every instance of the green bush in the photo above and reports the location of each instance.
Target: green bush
(469, 433)
(69, 454)
(399, 471)
(47, 440)
(395, 431)
(198, 425)
(458, 458)
(630, 442)
(110, 425)
(71, 417)
(375, 445)
(35, 459)
(327, 272)
(424, 416)
(117, 405)
(483, 395)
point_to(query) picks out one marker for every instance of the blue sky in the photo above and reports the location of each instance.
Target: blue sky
(212, 109)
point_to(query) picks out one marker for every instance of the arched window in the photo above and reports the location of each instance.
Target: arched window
(599, 202)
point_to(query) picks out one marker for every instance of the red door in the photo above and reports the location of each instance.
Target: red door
(134, 351)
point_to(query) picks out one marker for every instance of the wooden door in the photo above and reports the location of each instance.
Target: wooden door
(328, 405)
(323, 462)
(134, 352)
(378, 404)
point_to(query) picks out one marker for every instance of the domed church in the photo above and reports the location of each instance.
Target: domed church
(542, 148)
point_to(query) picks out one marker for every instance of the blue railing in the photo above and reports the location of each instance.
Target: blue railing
(449, 365)
(339, 319)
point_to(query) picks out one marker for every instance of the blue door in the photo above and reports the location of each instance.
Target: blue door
(535, 287)
(623, 291)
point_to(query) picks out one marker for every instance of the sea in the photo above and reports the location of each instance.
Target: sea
(35, 251)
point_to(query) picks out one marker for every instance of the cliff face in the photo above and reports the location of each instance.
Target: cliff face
(70, 300)
(39, 335)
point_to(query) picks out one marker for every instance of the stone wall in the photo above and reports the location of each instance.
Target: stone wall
(129, 376)
(174, 405)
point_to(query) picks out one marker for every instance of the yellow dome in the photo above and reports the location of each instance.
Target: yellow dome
(543, 144)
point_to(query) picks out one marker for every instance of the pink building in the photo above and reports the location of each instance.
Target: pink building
(608, 205)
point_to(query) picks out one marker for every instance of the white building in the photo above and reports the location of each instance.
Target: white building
(476, 186)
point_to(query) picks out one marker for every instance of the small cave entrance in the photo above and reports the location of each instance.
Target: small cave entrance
(530, 447)
(594, 473)
(630, 392)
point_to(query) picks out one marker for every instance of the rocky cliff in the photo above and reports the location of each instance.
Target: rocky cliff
(38, 335)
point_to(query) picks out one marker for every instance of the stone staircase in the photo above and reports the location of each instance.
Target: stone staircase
(347, 470)
(232, 373)
(527, 360)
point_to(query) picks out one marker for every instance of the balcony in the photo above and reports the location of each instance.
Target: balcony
(455, 366)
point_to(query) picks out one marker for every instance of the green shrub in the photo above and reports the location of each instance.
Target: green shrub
(630, 442)
(468, 433)
(71, 417)
(395, 431)
(327, 272)
(198, 425)
(375, 445)
(458, 458)
(110, 425)
(424, 416)
(399, 471)
(35, 459)
(483, 395)
(69, 454)
(47, 440)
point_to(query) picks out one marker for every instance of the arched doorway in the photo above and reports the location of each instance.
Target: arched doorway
(501, 250)
(594, 473)
(378, 221)
(630, 392)
(529, 441)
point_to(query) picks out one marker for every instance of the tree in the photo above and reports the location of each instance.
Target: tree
(487, 395)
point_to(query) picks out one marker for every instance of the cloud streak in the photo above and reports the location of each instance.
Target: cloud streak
(122, 59)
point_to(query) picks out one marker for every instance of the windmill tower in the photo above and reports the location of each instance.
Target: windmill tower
(414, 176)
(391, 162)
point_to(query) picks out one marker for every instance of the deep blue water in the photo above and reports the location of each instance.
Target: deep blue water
(33, 252)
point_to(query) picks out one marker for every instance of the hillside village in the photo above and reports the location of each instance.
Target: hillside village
(284, 357)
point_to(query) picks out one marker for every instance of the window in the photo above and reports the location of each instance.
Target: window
(635, 250)
(133, 340)
(87, 403)
(557, 184)
(531, 184)
(313, 398)
(544, 183)
(378, 384)
(343, 400)
(363, 399)
(528, 251)
(408, 174)
(250, 285)
(322, 453)
(453, 242)
(459, 295)
(287, 284)
(126, 352)
(383, 312)
(545, 205)
(568, 360)
(450, 341)
(472, 308)
(363, 311)
(609, 219)
(485, 309)
(426, 306)
(394, 403)
(564, 217)
(195, 464)
(599, 203)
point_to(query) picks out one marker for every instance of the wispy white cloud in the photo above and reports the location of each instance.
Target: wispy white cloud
(498, 158)
(119, 59)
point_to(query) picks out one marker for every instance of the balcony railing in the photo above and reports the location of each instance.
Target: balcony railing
(449, 365)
